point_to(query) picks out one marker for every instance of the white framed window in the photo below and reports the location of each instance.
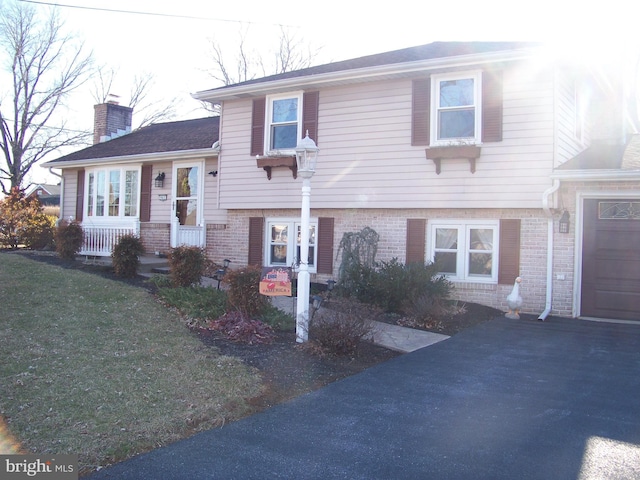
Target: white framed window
(283, 243)
(283, 123)
(113, 192)
(465, 250)
(456, 116)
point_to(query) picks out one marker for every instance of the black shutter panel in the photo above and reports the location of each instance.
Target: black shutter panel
(257, 126)
(145, 193)
(325, 245)
(420, 111)
(416, 246)
(256, 225)
(80, 195)
(492, 106)
(509, 256)
(310, 101)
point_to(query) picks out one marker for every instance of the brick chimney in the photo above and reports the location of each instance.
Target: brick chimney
(110, 121)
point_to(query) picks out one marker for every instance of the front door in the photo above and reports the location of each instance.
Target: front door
(187, 225)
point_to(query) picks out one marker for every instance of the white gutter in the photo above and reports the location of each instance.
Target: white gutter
(546, 196)
(596, 175)
(143, 157)
(355, 75)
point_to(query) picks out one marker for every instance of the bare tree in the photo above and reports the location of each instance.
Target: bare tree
(147, 109)
(45, 65)
(245, 63)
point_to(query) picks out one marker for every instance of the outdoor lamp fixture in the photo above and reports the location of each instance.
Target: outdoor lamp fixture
(563, 225)
(160, 180)
(226, 263)
(213, 173)
(219, 275)
(306, 157)
(316, 304)
(330, 285)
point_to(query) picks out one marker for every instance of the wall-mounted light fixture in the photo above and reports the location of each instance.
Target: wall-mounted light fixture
(564, 223)
(213, 173)
(160, 180)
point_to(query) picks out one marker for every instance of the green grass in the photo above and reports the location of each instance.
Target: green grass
(101, 369)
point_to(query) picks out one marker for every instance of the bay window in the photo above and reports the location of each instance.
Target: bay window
(465, 251)
(113, 192)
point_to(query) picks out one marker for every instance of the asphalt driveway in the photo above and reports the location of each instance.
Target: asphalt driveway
(504, 400)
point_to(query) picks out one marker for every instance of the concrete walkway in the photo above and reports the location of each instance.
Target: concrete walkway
(393, 337)
(506, 399)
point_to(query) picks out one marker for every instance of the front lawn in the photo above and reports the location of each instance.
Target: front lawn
(98, 368)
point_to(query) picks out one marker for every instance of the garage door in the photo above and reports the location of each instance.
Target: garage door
(611, 259)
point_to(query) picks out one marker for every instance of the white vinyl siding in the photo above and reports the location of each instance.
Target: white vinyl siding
(366, 159)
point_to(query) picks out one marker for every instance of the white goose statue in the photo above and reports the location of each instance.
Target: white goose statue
(514, 301)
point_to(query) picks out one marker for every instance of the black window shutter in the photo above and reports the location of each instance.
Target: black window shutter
(325, 245)
(145, 193)
(509, 256)
(416, 246)
(80, 195)
(492, 106)
(310, 102)
(256, 225)
(420, 111)
(257, 126)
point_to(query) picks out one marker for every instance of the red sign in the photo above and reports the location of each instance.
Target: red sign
(275, 281)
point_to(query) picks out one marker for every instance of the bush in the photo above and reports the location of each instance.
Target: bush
(187, 265)
(237, 327)
(244, 291)
(126, 256)
(68, 237)
(23, 222)
(196, 302)
(339, 333)
(277, 319)
(430, 311)
(390, 285)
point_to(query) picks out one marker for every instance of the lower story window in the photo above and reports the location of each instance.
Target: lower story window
(465, 251)
(283, 243)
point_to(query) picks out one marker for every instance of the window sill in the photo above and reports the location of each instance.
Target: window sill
(269, 162)
(469, 152)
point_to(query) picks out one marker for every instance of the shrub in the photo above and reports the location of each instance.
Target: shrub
(391, 284)
(187, 265)
(244, 290)
(339, 332)
(237, 327)
(430, 311)
(276, 318)
(23, 222)
(126, 256)
(196, 302)
(68, 237)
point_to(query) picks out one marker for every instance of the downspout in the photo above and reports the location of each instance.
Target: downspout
(546, 196)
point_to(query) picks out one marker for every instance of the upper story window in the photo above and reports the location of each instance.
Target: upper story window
(456, 112)
(113, 193)
(284, 122)
(465, 251)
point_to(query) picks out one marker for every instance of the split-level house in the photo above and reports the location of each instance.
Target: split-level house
(496, 160)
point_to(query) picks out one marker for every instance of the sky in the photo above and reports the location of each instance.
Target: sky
(171, 39)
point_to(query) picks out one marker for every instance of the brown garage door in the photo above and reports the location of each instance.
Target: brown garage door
(611, 259)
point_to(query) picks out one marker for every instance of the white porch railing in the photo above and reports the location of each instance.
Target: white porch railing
(100, 240)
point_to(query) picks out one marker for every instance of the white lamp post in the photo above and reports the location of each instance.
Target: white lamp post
(306, 156)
